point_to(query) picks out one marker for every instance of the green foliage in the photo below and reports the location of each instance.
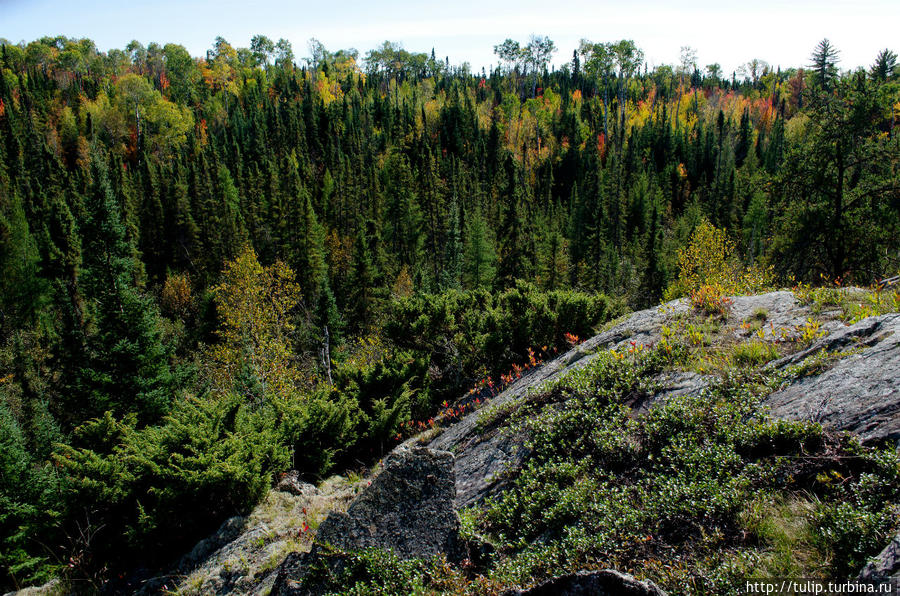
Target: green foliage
(386, 390)
(753, 353)
(124, 367)
(168, 484)
(29, 508)
(848, 534)
(601, 488)
(466, 332)
(840, 170)
(375, 571)
(129, 177)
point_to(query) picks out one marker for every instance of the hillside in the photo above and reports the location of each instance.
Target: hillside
(540, 468)
(219, 269)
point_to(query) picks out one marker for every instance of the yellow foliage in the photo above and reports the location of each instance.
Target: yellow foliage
(255, 306)
(708, 271)
(176, 297)
(329, 91)
(711, 299)
(403, 285)
(706, 259)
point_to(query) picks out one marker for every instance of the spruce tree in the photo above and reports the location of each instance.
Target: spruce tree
(125, 368)
(479, 260)
(514, 259)
(452, 250)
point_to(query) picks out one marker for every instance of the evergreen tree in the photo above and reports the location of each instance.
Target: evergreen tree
(514, 258)
(453, 256)
(125, 368)
(824, 64)
(479, 258)
(22, 290)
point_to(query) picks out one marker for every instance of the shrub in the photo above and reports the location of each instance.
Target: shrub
(710, 299)
(165, 485)
(601, 487)
(466, 333)
(28, 500)
(707, 266)
(848, 534)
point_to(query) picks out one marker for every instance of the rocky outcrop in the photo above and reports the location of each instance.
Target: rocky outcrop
(886, 565)
(595, 583)
(51, 588)
(483, 455)
(860, 392)
(408, 509)
(243, 555)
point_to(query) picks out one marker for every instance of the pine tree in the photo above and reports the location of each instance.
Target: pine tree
(514, 259)
(22, 290)
(402, 216)
(364, 276)
(824, 64)
(306, 246)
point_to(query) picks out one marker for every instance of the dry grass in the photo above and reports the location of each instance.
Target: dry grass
(283, 523)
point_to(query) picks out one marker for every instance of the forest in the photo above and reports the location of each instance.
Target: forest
(218, 268)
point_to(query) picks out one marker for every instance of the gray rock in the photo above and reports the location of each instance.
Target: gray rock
(885, 565)
(229, 530)
(673, 384)
(783, 313)
(290, 483)
(595, 583)
(408, 509)
(483, 458)
(52, 588)
(860, 393)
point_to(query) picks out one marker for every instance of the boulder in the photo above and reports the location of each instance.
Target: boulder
(594, 583)
(290, 483)
(886, 565)
(408, 509)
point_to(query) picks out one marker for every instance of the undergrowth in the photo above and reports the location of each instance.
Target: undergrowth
(602, 488)
(698, 494)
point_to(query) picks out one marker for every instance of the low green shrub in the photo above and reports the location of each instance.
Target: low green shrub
(753, 353)
(601, 488)
(469, 333)
(140, 494)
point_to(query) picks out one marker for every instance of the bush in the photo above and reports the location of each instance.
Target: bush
(848, 534)
(753, 353)
(28, 506)
(708, 271)
(470, 333)
(141, 494)
(600, 487)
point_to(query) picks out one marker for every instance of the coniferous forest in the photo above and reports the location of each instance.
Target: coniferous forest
(218, 268)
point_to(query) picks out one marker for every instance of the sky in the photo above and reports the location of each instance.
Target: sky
(730, 33)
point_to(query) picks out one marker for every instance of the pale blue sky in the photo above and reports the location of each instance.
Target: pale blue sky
(731, 33)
